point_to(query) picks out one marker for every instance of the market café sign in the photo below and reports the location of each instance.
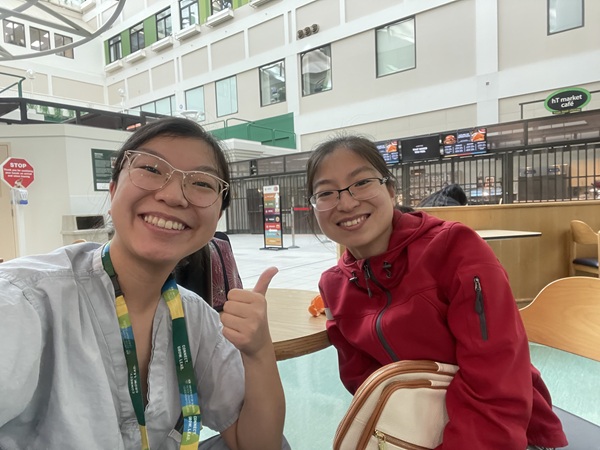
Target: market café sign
(567, 100)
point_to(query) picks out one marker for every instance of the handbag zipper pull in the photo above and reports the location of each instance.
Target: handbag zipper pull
(380, 440)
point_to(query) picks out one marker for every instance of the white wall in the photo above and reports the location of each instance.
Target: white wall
(61, 158)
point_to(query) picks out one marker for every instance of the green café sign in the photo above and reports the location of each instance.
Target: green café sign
(567, 100)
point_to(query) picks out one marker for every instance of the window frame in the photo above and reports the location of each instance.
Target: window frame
(69, 53)
(279, 98)
(221, 5)
(16, 25)
(151, 107)
(217, 97)
(414, 47)
(202, 110)
(37, 35)
(115, 48)
(302, 55)
(188, 7)
(167, 21)
(550, 32)
(44, 41)
(134, 35)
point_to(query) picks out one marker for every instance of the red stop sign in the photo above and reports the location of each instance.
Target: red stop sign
(17, 172)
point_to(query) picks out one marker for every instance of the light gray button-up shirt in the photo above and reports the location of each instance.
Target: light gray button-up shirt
(63, 376)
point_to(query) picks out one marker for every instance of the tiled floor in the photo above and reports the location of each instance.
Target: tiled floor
(316, 399)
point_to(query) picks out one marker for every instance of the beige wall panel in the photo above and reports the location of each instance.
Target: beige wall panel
(155, 2)
(163, 76)
(400, 127)
(438, 60)
(228, 51)
(523, 34)
(248, 94)
(266, 36)
(195, 63)
(86, 92)
(39, 85)
(325, 13)
(210, 103)
(355, 9)
(138, 84)
(113, 93)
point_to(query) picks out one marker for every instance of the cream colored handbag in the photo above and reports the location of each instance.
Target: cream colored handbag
(400, 406)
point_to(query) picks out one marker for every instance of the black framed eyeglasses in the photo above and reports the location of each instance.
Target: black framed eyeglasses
(364, 189)
(152, 173)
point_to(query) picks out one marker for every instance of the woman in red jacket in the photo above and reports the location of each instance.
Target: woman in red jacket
(411, 286)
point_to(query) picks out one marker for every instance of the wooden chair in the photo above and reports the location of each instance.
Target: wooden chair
(566, 315)
(582, 234)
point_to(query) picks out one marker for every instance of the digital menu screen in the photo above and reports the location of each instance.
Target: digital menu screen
(389, 151)
(421, 148)
(465, 142)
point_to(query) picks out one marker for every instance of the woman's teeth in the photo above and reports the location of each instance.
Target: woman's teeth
(352, 222)
(162, 223)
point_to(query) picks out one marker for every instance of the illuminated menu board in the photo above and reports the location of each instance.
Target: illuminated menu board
(465, 142)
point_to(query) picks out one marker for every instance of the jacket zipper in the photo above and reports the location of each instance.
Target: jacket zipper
(368, 275)
(479, 309)
(378, 329)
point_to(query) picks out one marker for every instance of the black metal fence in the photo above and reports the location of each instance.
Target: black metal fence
(542, 160)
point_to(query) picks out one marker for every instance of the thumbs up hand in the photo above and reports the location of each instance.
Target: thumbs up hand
(244, 316)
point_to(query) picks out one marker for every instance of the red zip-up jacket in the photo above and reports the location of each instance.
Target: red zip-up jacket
(439, 293)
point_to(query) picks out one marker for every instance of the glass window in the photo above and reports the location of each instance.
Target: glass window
(564, 15)
(194, 101)
(163, 24)
(316, 70)
(395, 44)
(219, 5)
(40, 39)
(164, 106)
(14, 33)
(136, 35)
(272, 83)
(114, 49)
(59, 41)
(188, 11)
(226, 91)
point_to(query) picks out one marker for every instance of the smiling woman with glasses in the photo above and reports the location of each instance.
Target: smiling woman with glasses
(103, 348)
(412, 287)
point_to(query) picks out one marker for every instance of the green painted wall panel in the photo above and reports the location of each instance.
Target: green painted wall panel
(277, 131)
(204, 8)
(125, 43)
(150, 35)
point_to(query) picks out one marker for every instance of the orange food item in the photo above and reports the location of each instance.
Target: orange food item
(317, 307)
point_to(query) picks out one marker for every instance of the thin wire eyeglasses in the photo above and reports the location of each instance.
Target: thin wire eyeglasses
(364, 189)
(152, 173)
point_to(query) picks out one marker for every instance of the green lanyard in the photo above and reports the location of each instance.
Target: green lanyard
(188, 394)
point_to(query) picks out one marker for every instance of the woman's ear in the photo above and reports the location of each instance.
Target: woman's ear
(112, 188)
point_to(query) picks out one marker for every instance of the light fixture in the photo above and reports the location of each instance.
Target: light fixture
(307, 31)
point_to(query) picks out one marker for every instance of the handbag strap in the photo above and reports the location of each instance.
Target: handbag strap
(225, 276)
